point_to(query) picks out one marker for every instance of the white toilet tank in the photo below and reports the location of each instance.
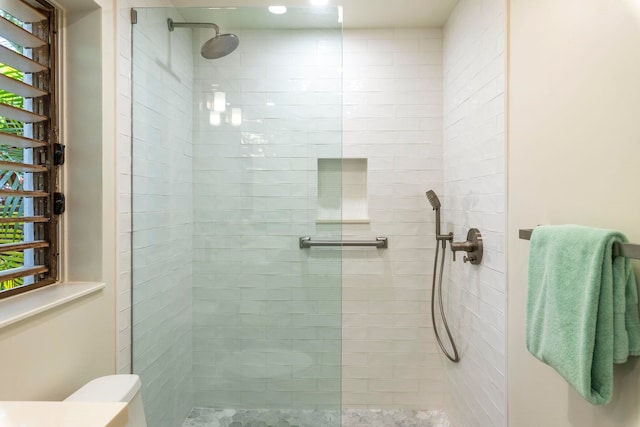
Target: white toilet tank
(115, 388)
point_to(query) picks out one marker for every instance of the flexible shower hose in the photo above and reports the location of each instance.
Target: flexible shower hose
(455, 358)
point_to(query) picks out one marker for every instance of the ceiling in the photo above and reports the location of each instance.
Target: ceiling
(357, 13)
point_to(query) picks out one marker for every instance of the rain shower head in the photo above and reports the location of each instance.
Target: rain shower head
(218, 46)
(433, 199)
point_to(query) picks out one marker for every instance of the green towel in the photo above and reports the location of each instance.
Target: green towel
(582, 306)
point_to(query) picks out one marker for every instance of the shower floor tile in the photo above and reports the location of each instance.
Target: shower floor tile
(208, 417)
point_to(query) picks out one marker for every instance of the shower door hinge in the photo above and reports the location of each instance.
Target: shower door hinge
(134, 16)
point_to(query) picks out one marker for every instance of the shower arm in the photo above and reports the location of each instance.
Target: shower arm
(173, 25)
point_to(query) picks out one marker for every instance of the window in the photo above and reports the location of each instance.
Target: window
(29, 150)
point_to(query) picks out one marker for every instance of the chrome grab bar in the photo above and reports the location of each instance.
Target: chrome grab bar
(380, 243)
(627, 250)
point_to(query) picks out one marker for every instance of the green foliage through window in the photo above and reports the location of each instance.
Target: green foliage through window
(11, 206)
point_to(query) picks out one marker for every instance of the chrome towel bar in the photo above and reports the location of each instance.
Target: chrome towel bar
(380, 243)
(627, 250)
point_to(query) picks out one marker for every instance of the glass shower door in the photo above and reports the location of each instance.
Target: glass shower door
(162, 222)
(252, 146)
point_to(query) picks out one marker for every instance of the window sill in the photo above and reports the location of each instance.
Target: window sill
(22, 306)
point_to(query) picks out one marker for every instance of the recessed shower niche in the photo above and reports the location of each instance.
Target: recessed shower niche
(342, 191)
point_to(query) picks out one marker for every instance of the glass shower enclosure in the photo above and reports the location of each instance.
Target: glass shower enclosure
(234, 160)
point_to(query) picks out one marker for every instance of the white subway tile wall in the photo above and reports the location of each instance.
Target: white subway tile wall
(267, 314)
(162, 220)
(392, 117)
(474, 196)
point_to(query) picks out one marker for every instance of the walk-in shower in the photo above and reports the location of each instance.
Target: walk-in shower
(250, 172)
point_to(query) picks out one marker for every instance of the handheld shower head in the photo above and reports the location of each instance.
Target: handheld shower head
(433, 199)
(435, 204)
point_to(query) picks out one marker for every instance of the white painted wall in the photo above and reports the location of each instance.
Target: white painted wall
(393, 117)
(574, 144)
(474, 196)
(54, 353)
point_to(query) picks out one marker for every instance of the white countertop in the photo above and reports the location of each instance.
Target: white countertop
(63, 414)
